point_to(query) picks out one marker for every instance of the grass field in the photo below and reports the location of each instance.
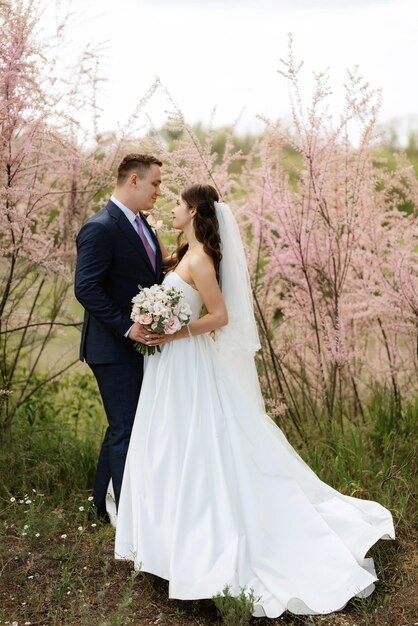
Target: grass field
(57, 568)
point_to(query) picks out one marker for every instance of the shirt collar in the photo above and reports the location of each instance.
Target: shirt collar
(129, 214)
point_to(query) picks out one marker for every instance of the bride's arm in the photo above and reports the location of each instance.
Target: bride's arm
(203, 274)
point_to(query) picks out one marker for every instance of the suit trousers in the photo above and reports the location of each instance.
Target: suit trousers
(119, 386)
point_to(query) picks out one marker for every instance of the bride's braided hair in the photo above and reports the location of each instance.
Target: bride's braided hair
(206, 227)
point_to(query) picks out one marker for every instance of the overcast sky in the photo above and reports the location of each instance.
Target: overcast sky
(226, 52)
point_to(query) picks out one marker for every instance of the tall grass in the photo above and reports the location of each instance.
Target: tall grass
(58, 569)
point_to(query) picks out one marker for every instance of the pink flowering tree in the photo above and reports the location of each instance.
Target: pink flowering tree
(47, 187)
(331, 253)
(332, 258)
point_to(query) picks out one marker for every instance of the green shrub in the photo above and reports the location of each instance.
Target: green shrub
(53, 444)
(235, 610)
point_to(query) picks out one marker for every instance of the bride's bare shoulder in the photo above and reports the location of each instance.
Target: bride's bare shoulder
(201, 264)
(199, 257)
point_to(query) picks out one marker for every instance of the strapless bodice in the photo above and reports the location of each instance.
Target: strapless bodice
(191, 295)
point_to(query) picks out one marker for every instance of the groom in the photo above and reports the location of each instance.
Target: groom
(116, 252)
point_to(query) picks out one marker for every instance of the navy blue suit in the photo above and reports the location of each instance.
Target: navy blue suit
(111, 263)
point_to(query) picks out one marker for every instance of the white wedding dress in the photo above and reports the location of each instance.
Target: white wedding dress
(214, 495)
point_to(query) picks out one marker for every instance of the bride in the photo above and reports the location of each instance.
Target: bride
(213, 494)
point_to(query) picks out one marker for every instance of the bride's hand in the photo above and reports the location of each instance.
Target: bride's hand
(142, 334)
(160, 340)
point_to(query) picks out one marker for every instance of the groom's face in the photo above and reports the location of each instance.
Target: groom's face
(147, 189)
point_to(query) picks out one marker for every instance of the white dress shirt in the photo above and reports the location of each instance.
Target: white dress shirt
(131, 217)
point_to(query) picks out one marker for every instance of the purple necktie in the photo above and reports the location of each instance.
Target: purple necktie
(147, 245)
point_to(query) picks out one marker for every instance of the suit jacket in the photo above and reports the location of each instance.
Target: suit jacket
(111, 263)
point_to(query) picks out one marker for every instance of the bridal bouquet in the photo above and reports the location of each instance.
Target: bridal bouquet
(161, 308)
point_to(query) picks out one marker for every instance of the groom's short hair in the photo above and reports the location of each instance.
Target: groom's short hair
(139, 163)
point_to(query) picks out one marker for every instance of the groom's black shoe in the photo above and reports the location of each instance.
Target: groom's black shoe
(97, 515)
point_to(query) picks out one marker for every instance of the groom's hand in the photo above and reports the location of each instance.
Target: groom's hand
(142, 334)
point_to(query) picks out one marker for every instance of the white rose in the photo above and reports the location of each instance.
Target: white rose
(160, 295)
(140, 297)
(157, 308)
(165, 312)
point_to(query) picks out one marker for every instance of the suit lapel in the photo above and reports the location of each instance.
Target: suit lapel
(128, 230)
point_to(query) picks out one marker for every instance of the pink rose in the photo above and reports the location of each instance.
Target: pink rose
(135, 313)
(145, 318)
(172, 326)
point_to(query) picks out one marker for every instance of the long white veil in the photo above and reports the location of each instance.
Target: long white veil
(238, 341)
(241, 331)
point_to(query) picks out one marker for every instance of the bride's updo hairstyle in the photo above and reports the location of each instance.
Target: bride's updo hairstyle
(206, 227)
